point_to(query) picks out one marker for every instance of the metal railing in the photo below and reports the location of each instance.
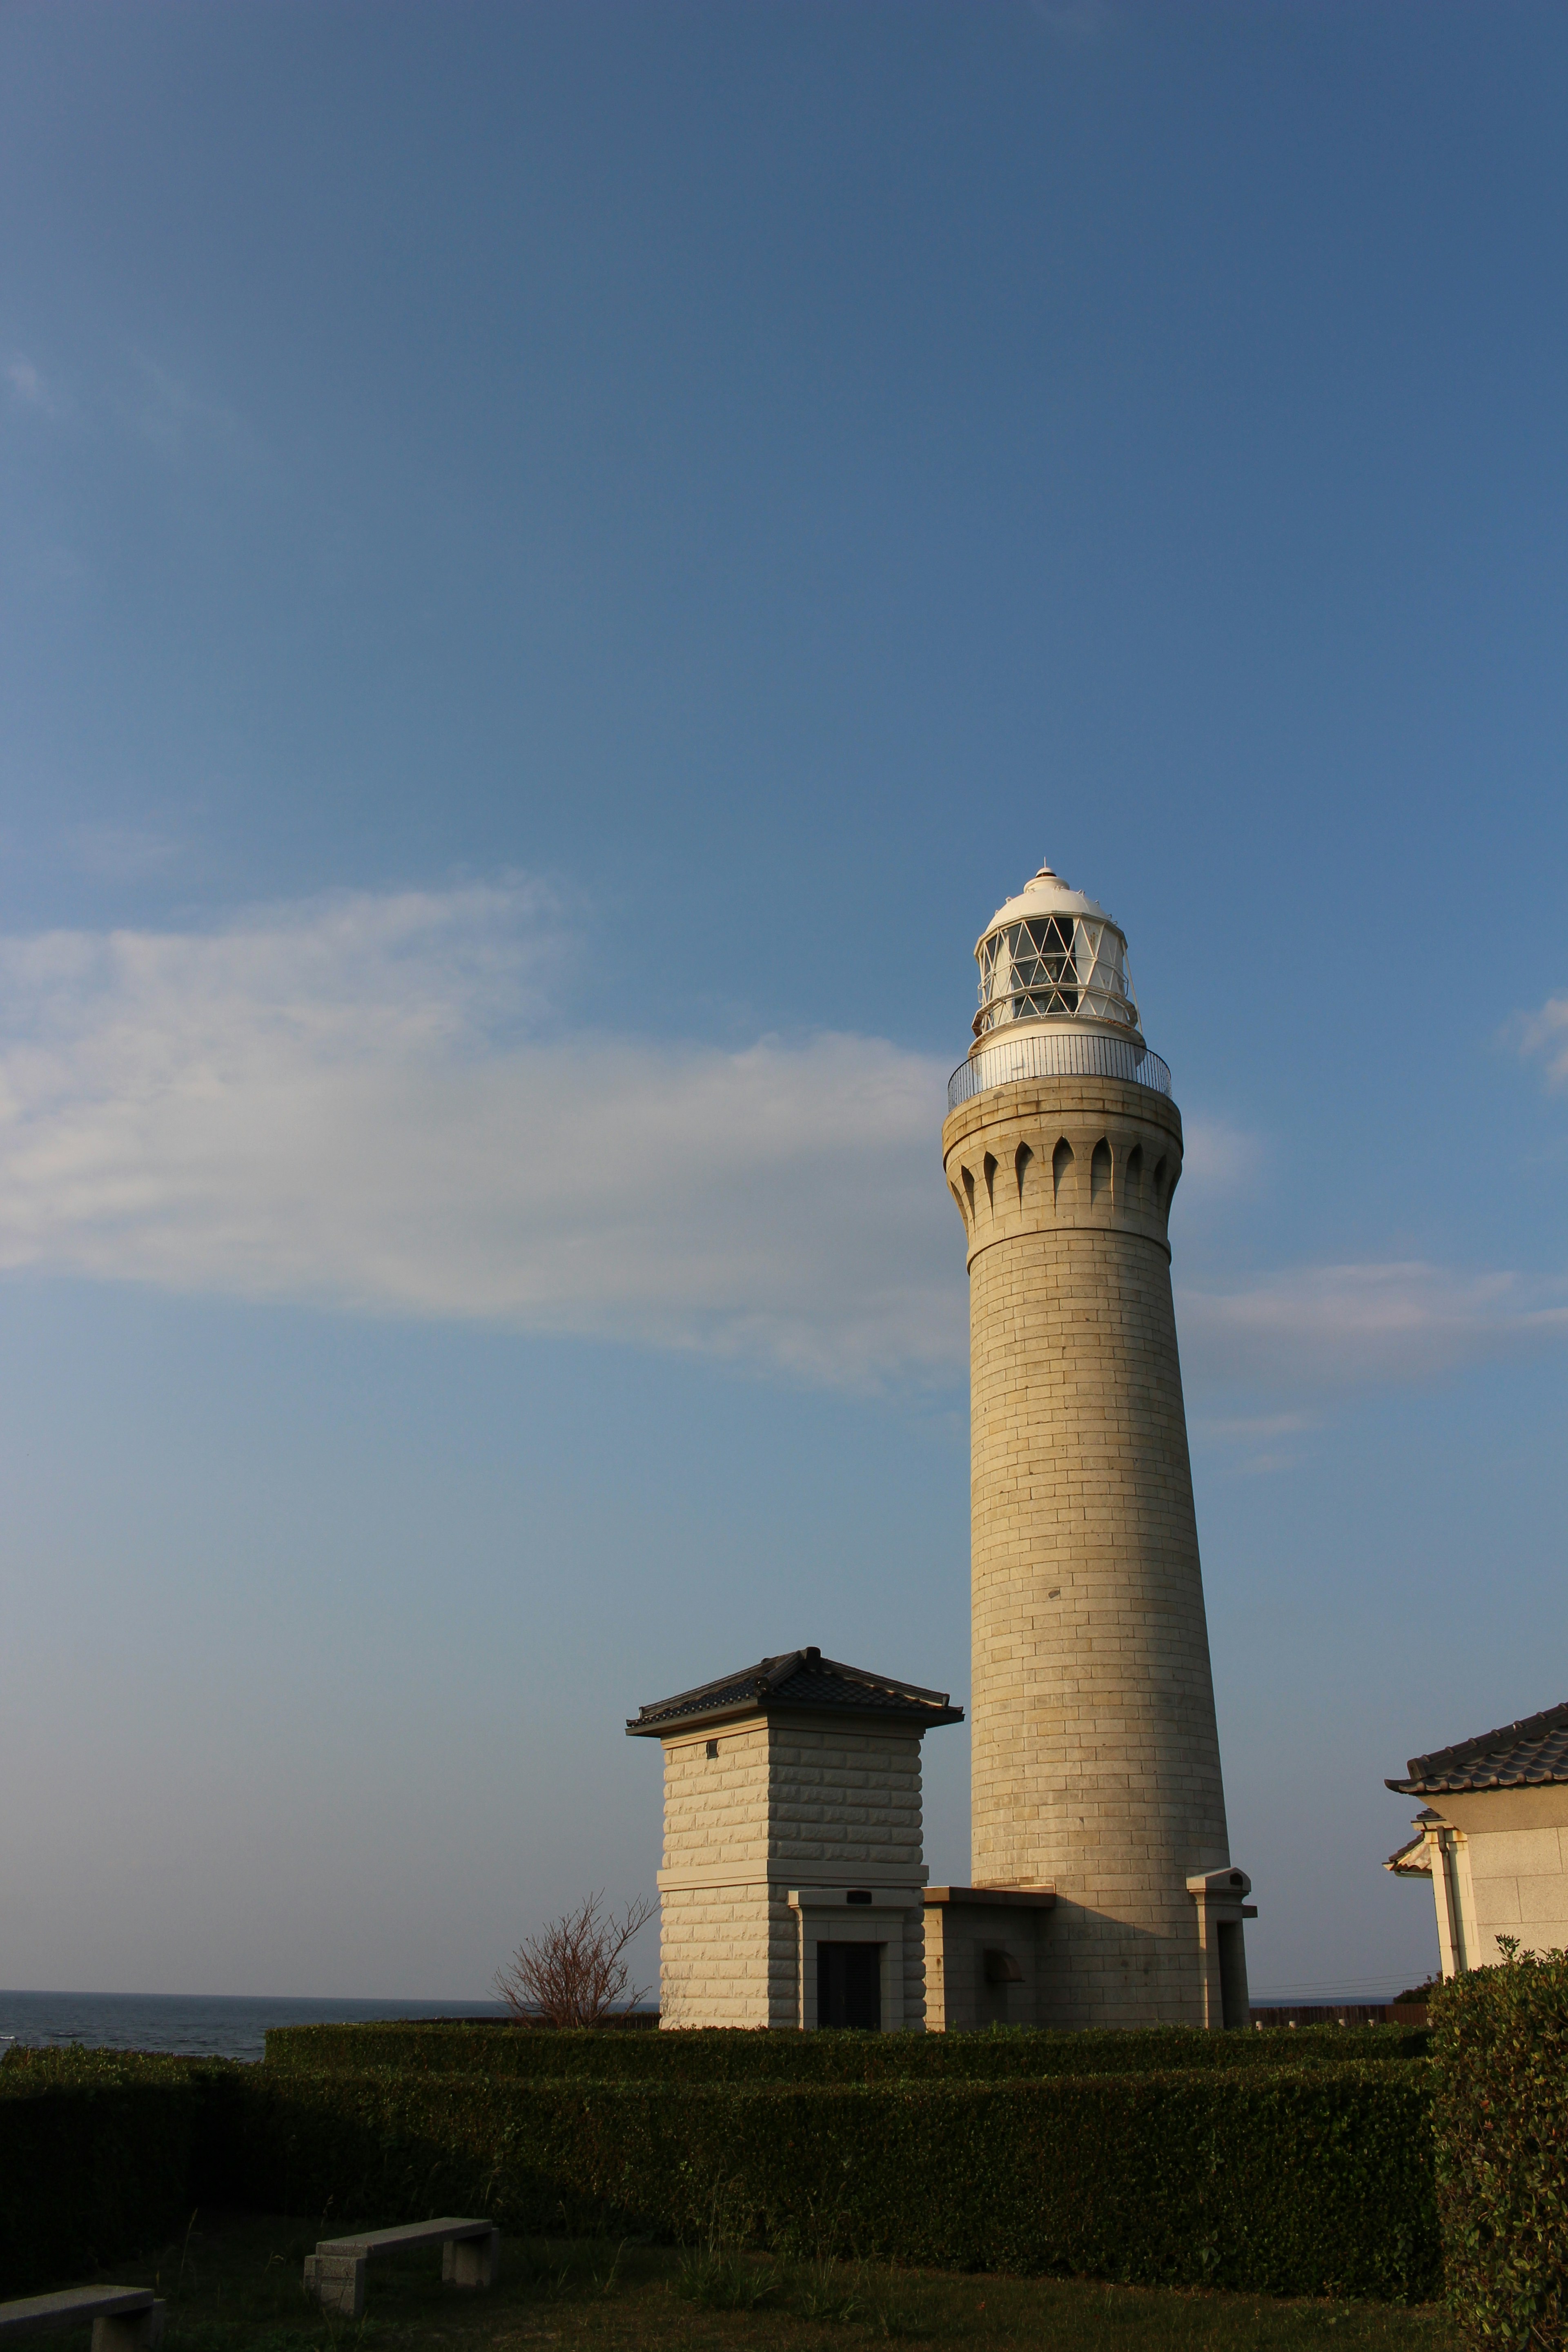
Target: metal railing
(1057, 1054)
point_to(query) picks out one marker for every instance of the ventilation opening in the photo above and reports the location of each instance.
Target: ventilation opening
(1132, 1175)
(1061, 1161)
(1100, 1171)
(1001, 1966)
(990, 1173)
(849, 1985)
(1021, 1159)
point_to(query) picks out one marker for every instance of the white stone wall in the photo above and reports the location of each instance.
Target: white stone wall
(1506, 1859)
(786, 1802)
(1520, 1883)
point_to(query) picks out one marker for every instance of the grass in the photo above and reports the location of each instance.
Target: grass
(233, 2285)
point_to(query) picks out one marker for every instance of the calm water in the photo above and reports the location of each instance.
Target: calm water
(200, 2026)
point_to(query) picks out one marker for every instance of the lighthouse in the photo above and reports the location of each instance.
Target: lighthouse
(1096, 1766)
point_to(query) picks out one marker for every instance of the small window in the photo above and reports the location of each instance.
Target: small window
(712, 1747)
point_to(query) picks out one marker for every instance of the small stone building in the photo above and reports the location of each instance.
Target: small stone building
(986, 1953)
(1493, 1839)
(792, 1891)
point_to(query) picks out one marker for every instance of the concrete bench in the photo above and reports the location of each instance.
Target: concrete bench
(334, 2273)
(124, 2318)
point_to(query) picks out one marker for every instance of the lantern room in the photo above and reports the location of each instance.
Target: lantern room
(1051, 954)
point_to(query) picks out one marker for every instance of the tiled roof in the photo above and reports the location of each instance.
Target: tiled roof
(1529, 1754)
(798, 1679)
(1413, 1859)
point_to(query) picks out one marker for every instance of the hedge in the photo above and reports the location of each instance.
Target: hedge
(96, 2157)
(734, 2056)
(1287, 2181)
(1501, 2115)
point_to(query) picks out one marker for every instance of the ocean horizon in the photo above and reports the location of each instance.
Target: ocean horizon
(195, 2025)
(234, 2025)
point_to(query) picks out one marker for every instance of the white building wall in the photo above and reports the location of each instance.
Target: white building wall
(1499, 1868)
(785, 1803)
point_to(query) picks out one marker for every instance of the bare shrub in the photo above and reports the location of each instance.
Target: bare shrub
(574, 1971)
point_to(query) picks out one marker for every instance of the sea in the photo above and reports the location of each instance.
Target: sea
(209, 2025)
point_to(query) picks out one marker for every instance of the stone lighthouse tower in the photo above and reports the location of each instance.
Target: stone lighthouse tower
(1096, 1756)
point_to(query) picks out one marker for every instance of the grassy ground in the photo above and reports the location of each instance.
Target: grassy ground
(233, 2285)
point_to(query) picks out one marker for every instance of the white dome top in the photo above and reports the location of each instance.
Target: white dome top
(1044, 892)
(1053, 956)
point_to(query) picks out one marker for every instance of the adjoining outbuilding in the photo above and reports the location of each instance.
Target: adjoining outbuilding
(792, 1891)
(1493, 1839)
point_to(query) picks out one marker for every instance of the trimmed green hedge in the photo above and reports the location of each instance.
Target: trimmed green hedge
(1500, 2113)
(1287, 2181)
(720, 2056)
(96, 2158)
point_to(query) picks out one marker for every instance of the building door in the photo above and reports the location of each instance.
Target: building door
(849, 1985)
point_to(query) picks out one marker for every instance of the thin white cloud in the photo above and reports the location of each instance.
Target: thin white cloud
(28, 388)
(358, 1101)
(1342, 1326)
(373, 1102)
(171, 413)
(1217, 1159)
(122, 853)
(1546, 1033)
(1252, 1446)
(1077, 21)
(1253, 1429)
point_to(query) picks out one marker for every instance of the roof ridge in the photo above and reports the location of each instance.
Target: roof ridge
(798, 1678)
(1466, 1751)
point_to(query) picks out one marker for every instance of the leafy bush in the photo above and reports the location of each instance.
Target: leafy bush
(1500, 2113)
(735, 2056)
(1290, 2181)
(95, 2161)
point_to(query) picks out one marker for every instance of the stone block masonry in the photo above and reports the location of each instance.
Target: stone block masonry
(1096, 1763)
(759, 1810)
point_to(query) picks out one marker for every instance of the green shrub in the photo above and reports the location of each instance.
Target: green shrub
(720, 2056)
(1290, 2181)
(1500, 2113)
(95, 2161)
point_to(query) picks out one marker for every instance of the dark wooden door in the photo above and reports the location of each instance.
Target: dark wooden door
(849, 1985)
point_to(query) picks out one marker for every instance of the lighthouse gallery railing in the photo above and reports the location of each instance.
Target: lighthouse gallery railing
(1057, 1054)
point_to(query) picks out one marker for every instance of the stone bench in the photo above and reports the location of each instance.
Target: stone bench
(124, 2318)
(334, 2273)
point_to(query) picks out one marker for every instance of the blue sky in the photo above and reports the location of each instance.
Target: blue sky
(557, 565)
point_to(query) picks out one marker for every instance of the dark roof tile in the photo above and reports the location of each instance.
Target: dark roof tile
(1529, 1754)
(797, 1680)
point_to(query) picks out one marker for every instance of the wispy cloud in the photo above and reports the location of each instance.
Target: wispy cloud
(374, 1102)
(1335, 1327)
(28, 388)
(1255, 1445)
(122, 853)
(175, 417)
(357, 1101)
(1077, 21)
(1254, 1429)
(1218, 1157)
(1546, 1033)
